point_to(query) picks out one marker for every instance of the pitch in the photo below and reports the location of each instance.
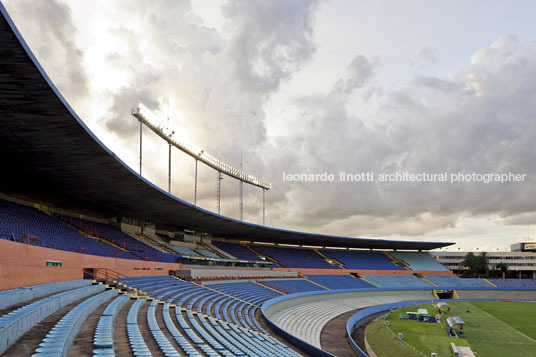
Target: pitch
(492, 328)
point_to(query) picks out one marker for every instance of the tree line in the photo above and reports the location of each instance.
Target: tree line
(477, 266)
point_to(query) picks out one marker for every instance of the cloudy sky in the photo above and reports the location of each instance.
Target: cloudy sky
(306, 87)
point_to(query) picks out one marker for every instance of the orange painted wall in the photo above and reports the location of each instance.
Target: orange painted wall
(24, 265)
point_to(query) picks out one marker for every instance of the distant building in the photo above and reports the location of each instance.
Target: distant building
(521, 259)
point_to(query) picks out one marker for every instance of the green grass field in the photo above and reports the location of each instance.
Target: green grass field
(491, 329)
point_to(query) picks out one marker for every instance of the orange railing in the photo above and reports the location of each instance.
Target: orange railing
(104, 274)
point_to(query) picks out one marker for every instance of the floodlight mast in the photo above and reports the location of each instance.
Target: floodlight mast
(144, 116)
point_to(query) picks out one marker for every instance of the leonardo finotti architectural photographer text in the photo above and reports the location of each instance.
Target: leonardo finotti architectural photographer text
(370, 176)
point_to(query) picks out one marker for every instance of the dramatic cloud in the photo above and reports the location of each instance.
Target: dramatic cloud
(479, 120)
(217, 86)
(50, 32)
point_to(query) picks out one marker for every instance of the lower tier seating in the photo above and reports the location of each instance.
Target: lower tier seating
(290, 286)
(456, 282)
(397, 281)
(514, 283)
(339, 281)
(149, 328)
(61, 337)
(172, 317)
(17, 322)
(20, 295)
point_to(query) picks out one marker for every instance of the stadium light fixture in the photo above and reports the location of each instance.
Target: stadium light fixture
(146, 117)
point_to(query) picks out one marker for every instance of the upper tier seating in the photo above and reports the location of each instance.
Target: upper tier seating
(183, 250)
(116, 236)
(18, 220)
(419, 261)
(206, 253)
(290, 286)
(362, 260)
(339, 282)
(220, 251)
(397, 281)
(237, 250)
(515, 283)
(295, 257)
(456, 282)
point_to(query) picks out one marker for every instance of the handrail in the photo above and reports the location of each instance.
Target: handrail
(31, 238)
(105, 273)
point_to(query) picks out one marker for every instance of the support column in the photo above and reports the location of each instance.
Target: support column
(195, 187)
(241, 200)
(169, 170)
(141, 126)
(263, 207)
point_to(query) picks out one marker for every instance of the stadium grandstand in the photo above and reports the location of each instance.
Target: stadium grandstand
(85, 269)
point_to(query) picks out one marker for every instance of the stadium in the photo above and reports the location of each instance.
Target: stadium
(96, 260)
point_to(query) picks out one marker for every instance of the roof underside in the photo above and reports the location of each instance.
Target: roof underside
(50, 156)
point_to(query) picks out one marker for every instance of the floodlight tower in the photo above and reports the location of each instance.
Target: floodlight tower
(145, 117)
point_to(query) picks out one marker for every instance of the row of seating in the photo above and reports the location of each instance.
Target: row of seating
(220, 251)
(236, 250)
(514, 283)
(363, 260)
(340, 282)
(419, 261)
(16, 296)
(295, 257)
(290, 286)
(135, 339)
(61, 337)
(457, 282)
(16, 323)
(104, 332)
(179, 337)
(163, 343)
(397, 281)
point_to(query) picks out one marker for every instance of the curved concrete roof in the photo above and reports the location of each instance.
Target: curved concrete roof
(49, 155)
